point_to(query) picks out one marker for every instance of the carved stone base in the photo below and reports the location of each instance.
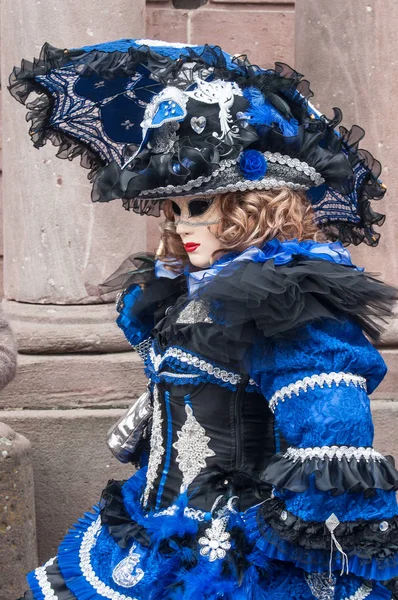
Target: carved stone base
(56, 329)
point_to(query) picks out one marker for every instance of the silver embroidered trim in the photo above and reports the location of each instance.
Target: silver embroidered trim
(322, 380)
(331, 452)
(363, 592)
(194, 183)
(195, 311)
(178, 375)
(216, 543)
(195, 361)
(266, 183)
(42, 580)
(191, 513)
(88, 542)
(156, 447)
(193, 449)
(295, 163)
(321, 586)
(126, 574)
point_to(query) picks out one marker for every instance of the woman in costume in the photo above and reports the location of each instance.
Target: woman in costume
(257, 476)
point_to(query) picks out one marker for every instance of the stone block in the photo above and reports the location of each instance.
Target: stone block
(57, 329)
(18, 547)
(57, 239)
(265, 36)
(348, 51)
(385, 417)
(388, 389)
(71, 465)
(75, 380)
(167, 24)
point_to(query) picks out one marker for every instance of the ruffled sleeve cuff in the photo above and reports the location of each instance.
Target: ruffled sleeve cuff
(333, 468)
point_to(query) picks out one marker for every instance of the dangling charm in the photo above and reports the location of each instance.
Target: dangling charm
(332, 522)
(125, 573)
(216, 543)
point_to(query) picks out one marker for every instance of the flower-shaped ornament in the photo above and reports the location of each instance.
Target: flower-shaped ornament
(216, 543)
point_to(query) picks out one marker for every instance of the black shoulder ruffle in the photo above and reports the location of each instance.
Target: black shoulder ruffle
(335, 475)
(280, 299)
(362, 538)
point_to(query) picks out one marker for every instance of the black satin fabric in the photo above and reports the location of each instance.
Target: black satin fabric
(240, 427)
(335, 475)
(120, 525)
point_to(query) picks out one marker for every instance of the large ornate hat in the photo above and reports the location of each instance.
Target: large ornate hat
(154, 120)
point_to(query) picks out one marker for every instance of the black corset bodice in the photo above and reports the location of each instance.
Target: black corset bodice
(212, 438)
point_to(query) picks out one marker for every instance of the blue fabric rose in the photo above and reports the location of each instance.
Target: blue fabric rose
(253, 164)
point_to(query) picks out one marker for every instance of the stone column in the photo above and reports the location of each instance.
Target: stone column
(348, 53)
(18, 550)
(55, 242)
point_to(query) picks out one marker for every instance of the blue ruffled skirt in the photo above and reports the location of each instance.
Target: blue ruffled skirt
(125, 553)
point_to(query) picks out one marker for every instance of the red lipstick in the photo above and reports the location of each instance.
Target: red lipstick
(191, 246)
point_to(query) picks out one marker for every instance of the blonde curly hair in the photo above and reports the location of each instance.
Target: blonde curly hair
(249, 218)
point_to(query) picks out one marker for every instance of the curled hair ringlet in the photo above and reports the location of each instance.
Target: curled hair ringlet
(249, 218)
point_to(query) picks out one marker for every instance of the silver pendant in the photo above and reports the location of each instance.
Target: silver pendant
(198, 124)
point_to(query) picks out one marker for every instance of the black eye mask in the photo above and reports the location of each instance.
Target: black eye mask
(196, 207)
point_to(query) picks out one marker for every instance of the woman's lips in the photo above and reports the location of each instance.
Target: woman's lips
(191, 246)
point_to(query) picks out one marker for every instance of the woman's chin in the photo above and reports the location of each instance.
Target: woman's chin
(199, 261)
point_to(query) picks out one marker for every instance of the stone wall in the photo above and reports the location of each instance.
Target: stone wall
(75, 369)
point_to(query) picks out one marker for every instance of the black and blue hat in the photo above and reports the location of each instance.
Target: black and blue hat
(153, 120)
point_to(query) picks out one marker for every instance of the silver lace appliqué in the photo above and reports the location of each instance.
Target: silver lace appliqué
(321, 586)
(192, 447)
(363, 592)
(156, 447)
(126, 574)
(194, 312)
(216, 543)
